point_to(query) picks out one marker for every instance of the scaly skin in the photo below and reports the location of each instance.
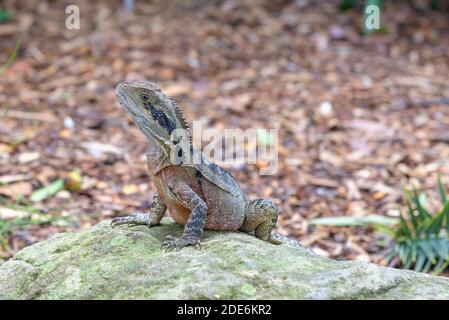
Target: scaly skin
(199, 195)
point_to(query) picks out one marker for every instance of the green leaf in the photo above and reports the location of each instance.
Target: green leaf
(391, 254)
(427, 266)
(445, 214)
(441, 266)
(422, 239)
(403, 228)
(419, 201)
(422, 199)
(435, 225)
(426, 247)
(403, 253)
(414, 249)
(437, 268)
(436, 247)
(442, 190)
(5, 16)
(346, 5)
(388, 230)
(355, 221)
(420, 262)
(413, 218)
(408, 254)
(47, 191)
(11, 58)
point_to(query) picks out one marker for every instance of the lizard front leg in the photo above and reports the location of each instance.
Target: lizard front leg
(193, 230)
(157, 211)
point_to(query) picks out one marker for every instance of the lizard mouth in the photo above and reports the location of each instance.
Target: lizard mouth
(132, 108)
(126, 102)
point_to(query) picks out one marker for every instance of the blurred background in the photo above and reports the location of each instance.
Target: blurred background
(361, 115)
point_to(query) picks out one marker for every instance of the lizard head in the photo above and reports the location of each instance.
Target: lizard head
(156, 115)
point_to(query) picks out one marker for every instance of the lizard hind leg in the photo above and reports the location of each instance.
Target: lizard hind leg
(261, 216)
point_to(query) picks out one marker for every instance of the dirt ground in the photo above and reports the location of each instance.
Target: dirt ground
(360, 117)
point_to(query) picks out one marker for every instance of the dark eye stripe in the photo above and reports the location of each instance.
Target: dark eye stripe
(160, 117)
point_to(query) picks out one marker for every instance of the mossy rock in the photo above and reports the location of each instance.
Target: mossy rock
(127, 263)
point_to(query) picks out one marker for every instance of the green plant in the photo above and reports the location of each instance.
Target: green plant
(11, 58)
(47, 191)
(421, 239)
(349, 221)
(5, 16)
(10, 226)
(35, 217)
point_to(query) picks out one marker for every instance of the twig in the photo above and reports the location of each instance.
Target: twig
(12, 57)
(47, 117)
(429, 102)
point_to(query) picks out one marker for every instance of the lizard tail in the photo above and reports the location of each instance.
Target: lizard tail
(280, 239)
(277, 238)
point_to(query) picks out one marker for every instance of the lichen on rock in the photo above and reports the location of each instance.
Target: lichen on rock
(127, 263)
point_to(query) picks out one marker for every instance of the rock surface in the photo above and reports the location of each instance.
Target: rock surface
(127, 263)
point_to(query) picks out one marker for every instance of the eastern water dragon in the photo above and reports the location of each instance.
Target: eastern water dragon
(197, 193)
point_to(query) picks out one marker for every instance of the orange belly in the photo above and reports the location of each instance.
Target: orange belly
(178, 213)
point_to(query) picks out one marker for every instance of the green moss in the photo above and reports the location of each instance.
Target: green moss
(248, 290)
(119, 240)
(127, 263)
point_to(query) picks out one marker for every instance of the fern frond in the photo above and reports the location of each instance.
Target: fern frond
(422, 239)
(442, 190)
(422, 254)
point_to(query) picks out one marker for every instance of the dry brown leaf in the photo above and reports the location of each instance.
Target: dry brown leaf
(15, 190)
(28, 157)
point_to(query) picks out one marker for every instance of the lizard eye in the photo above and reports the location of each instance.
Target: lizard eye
(144, 97)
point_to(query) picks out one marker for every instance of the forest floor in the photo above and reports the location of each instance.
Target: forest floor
(359, 117)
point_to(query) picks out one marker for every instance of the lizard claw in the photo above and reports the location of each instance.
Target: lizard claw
(167, 243)
(134, 219)
(171, 243)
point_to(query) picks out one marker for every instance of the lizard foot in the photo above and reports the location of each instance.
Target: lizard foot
(134, 219)
(171, 242)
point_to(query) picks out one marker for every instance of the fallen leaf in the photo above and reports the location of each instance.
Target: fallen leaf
(320, 252)
(176, 89)
(7, 213)
(345, 221)
(130, 189)
(28, 157)
(97, 149)
(322, 182)
(47, 191)
(15, 190)
(5, 148)
(13, 178)
(379, 195)
(353, 190)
